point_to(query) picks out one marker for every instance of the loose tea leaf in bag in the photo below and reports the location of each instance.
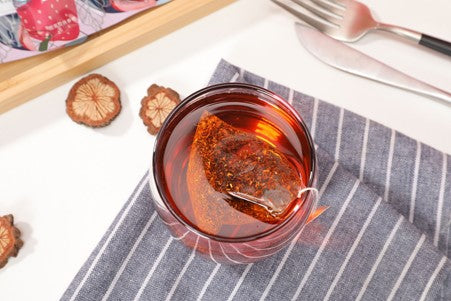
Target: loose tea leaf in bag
(235, 178)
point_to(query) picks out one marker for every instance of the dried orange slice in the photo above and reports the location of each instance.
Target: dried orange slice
(156, 106)
(93, 101)
(10, 241)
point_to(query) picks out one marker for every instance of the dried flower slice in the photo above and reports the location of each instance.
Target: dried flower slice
(93, 101)
(156, 106)
(10, 241)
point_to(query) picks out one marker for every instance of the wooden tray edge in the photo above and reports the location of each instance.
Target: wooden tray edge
(41, 76)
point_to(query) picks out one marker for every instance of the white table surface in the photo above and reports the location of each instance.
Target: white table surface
(65, 183)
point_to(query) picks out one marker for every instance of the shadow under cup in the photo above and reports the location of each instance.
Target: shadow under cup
(197, 209)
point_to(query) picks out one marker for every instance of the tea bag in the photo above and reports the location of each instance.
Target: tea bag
(234, 177)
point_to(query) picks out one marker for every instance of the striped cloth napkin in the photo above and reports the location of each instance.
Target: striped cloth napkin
(385, 236)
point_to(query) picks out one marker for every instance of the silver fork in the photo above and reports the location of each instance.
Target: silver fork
(349, 20)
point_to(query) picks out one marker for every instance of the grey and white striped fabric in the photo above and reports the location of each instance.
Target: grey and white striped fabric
(385, 237)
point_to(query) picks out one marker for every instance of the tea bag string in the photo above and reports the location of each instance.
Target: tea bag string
(315, 200)
(315, 191)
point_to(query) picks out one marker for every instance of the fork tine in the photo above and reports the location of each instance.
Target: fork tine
(320, 12)
(330, 6)
(306, 18)
(341, 3)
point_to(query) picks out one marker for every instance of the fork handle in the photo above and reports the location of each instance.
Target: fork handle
(436, 44)
(422, 39)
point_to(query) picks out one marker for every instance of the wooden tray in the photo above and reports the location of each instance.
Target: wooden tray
(26, 79)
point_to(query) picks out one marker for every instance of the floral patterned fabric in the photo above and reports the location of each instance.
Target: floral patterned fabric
(30, 27)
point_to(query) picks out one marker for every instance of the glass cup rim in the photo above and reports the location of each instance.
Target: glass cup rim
(281, 102)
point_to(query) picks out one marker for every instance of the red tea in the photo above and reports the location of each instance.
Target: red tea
(233, 164)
